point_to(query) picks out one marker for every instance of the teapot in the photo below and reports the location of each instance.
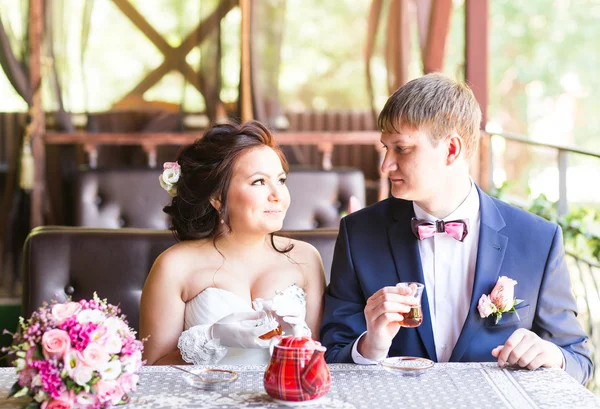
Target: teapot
(297, 371)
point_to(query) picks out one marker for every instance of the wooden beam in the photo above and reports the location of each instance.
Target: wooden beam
(178, 138)
(206, 26)
(323, 140)
(476, 75)
(245, 80)
(423, 14)
(142, 24)
(36, 110)
(439, 25)
(174, 57)
(151, 78)
(476, 52)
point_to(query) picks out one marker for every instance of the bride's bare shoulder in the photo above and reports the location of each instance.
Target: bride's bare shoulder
(183, 258)
(300, 251)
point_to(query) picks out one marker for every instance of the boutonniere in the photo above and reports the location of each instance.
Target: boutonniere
(501, 299)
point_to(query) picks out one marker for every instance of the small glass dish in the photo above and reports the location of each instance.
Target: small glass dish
(406, 365)
(208, 379)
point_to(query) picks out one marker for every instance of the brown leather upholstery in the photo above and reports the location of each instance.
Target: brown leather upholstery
(133, 198)
(320, 197)
(76, 261)
(120, 198)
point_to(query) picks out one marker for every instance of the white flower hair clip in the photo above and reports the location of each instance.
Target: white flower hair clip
(169, 178)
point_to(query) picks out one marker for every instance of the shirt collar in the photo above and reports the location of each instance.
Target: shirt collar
(468, 209)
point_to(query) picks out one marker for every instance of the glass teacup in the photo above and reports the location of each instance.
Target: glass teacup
(260, 304)
(414, 317)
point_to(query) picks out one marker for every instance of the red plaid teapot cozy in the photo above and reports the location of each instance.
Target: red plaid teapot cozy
(297, 371)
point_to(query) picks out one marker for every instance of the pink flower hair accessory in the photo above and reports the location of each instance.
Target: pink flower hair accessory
(169, 178)
(500, 300)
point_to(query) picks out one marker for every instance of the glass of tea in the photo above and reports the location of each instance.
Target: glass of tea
(260, 304)
(414, 317)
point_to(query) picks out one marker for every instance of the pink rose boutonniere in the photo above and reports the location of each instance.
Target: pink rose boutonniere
(501, 299)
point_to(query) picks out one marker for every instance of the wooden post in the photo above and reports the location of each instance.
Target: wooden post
(476, 75)
(36, 110)
(245, 74)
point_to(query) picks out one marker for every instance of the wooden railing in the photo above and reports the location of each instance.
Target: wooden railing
(325, 142)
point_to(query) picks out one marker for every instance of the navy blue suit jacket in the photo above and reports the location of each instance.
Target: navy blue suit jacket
(376, 248)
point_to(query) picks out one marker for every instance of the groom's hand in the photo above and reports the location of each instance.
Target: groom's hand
(526, 349)
(383, 316)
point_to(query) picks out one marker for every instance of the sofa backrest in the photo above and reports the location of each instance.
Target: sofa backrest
(320, 197)
(114, 198)
(76, 261)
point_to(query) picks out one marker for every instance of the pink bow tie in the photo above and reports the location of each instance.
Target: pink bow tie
(424, 229)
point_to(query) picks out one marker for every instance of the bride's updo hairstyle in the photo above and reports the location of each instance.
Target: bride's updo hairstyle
(206, 169)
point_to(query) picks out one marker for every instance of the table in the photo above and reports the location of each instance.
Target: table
(446, 385)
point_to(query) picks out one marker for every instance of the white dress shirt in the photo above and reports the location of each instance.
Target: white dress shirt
(449, 272)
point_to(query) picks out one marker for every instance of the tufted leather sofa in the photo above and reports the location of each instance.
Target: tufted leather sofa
(120, 198)
(320, 197)
(114, 198)
(60, 261)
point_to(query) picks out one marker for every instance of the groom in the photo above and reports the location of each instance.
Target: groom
(430, 131)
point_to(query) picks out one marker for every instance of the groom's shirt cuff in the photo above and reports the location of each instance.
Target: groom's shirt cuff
(358, 358)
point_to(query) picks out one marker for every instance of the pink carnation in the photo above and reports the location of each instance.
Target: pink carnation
(109, 391)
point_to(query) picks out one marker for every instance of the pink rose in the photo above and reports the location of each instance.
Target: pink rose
(486, 307)
(64, 401)
(56, 343)
(62, 312)
(108, 391)
(503, 294)
(94, 355)
(56, 404)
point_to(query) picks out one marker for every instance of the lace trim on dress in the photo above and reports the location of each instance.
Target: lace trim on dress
(197, 348)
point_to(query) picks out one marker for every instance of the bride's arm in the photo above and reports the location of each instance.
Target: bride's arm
(162, 310)
(314, 288)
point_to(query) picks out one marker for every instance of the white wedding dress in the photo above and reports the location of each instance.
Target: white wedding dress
(211, 305)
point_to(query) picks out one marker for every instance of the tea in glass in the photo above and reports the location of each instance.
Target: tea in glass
(414, 317)
(267, 306)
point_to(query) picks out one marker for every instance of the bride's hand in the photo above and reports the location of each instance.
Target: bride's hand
(292, 317)
(242, 329)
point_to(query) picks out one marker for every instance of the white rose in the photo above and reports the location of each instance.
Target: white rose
(110, 370)
(82, 374)
(114, 325)
(86, 316)
(113, 344)
(171, 175)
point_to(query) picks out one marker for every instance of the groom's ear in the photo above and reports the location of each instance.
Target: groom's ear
(455, 147)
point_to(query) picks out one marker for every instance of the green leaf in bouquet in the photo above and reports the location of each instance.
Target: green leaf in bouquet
(33, 405)
(38, 354)
(21, 392)
(14, 389)
(21, 354)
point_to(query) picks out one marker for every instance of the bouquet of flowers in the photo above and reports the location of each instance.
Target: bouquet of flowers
(76, 354)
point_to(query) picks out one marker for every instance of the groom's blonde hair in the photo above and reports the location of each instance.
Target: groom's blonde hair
(438, 105)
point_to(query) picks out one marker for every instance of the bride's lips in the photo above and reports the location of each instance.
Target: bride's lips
(273, 212)
(396, 179)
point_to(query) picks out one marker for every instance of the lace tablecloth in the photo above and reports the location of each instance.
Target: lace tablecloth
(448, 385)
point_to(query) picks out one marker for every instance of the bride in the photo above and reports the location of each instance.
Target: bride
(229, 196)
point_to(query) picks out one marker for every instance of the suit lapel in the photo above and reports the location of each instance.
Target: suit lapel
(490, 254)
(405, 251)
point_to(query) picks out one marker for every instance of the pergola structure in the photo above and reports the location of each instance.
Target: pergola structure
(433, 27)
